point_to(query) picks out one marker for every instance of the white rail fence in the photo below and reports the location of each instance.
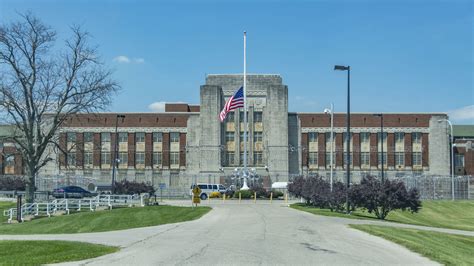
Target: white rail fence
(65, 206)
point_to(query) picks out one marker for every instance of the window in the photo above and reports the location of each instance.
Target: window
(328, 159)
(139, 137)
(416, 137)
(105, 137)
(364, 160)
(174, 136)
(257, 117)
(384, 140)
(230, 117)
(71, 137)
(174, 158)
(123, 157)
(71, 159)
(242, 137)
(257, 158)
(9, 164)
(313, 137)
(344, 136)
(105, 158)
(313, 158)
(229, 136)
(123, 137)
(230, 157)
(459, 160)
(416, 158)
(241, 116)
(399, 137)
(140, 158)
(241, 160)
(88, 137)
(257, 136)
(88, 159)
(345, 159)
(364, 137)
(157, 137)
(399, 159)
(379, 158)
(157, 158)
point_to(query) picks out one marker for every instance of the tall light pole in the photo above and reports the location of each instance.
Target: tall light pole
(348, 123)
(381, 142)
(115, 161)
(452, 155)
(331, 112)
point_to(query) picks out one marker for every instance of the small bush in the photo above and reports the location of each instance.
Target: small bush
(132, 187)
(295, 187)
(261, 192)
(12, 183)
(277, 194)
(215, 194)
(337, 198)
(245, 194)
(381, 198)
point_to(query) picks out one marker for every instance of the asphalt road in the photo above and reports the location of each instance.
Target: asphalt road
(247, 234)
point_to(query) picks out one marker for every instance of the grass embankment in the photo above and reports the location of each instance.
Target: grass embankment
(101, 221)
(444, 248)
(445, 214)
(15, 252)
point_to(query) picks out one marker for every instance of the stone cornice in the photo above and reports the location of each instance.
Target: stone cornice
(124, 129)
(366, 129)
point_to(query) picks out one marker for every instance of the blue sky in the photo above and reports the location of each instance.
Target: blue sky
(406, 56)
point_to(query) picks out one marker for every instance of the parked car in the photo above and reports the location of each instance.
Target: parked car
(72, 192)
(206, 189)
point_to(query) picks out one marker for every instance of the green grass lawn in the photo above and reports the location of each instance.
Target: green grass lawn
(445, 214)
(14, 252)
(444, 248)
(101, 221)
(5, 205)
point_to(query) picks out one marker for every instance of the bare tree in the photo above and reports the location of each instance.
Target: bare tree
(41, 86)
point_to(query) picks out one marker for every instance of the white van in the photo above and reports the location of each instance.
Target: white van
(206, 189)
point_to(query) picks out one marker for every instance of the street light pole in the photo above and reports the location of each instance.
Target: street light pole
(115, 161)
(331, 112)
(348, 122)
(452, 155)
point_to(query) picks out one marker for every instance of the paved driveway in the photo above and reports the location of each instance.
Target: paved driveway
(247, 234)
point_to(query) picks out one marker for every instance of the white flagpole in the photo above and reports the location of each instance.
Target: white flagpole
(245, 187)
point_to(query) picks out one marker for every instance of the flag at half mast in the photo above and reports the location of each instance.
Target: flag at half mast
(234, 102)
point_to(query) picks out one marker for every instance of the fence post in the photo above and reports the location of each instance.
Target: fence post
(67, 206)
(254, 197)
(240, 197)
(141, 201)
(271, 197)
(37, 210)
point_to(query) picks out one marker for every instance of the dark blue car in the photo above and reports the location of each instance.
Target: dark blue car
(72, 192)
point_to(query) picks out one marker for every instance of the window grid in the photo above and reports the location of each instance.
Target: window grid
(174, 136)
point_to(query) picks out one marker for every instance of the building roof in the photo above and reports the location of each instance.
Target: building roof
(463, 130)
(6, 130)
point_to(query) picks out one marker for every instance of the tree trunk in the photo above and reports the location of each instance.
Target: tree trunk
(30, 184)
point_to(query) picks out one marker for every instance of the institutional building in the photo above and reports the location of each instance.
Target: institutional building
(188, 143)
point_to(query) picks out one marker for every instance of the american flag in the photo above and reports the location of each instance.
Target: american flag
(234, 102)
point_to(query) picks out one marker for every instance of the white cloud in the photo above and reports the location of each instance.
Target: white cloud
(463, 113)
(158, 107)
(122, 59)
(139, 60)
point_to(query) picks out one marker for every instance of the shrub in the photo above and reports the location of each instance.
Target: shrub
(215, 194)
(261, 192)
(337, 198)
(295, 187)
(12, 183)
(132, 187)
(381, 198)
(277, 194)
(245, 194)
(316, 191)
